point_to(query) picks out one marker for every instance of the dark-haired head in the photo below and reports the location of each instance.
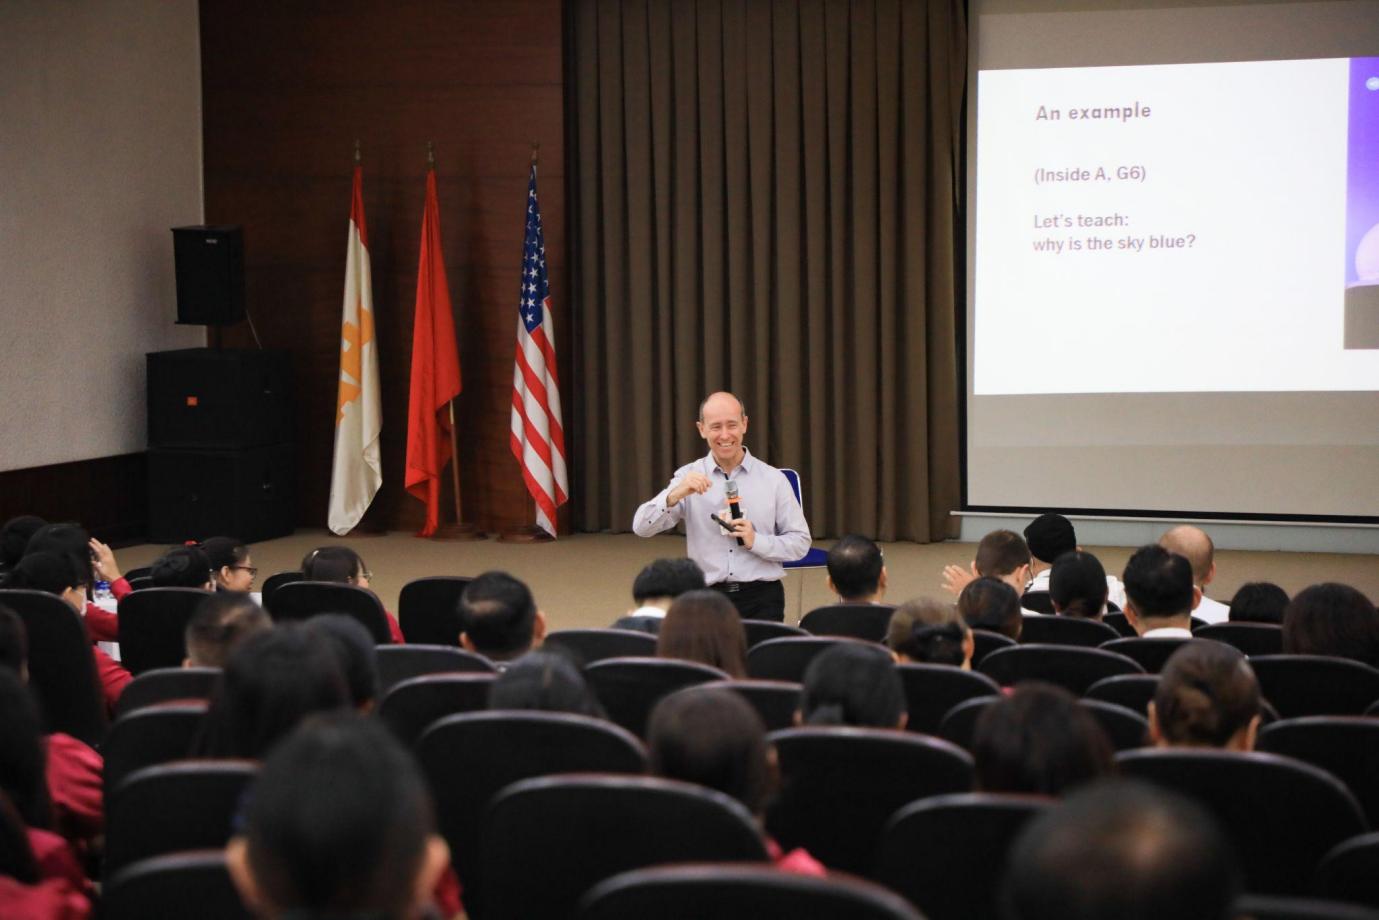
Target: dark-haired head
(356, 652)
(14, 644)
(1003, 554)
(666, 579)
(1332, 619)
(925, 631)
(1259, 602)
(52, 573)
(66, 539)
(231, 566)
(545, 681)
(221, 622)
(1159, 589)
(990, 604)
(339, 564)
(856, 569)
(15, 536)
(1050, 536)
(23, 761)
(338, 824)
(498, 617)
(1207, 697)
(853, 683)
(1038, 740)
(704, 626)
(1077, 586)
(182, 567)
(713, 737)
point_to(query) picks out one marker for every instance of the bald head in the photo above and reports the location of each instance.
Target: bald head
(720, 402)
(1193, 544)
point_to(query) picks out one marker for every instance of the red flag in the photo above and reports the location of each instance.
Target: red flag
(435, 369)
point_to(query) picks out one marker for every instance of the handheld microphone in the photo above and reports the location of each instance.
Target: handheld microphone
(734, 504)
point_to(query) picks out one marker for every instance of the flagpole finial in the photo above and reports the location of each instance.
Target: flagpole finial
(430, 154)
(356, 152)
(535, 151)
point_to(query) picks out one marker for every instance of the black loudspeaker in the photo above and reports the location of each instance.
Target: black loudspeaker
(194, 494)
(210, 275)
(231, 398)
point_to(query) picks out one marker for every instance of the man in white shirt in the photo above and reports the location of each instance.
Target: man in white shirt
(655, 588)
(1193, 544)
(1050, 536)
(1001, 554)
(1159, 593)
(741, 557)
(856, 571)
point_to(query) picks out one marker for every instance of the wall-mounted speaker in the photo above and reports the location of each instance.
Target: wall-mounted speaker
(210, 275)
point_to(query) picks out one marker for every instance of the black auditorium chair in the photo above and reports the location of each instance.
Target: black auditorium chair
(858, 621)
(1350, 872)
(1282, 815)
(428, 609)
(411, 706)
(787, 659)
(931, 690)
(1125, 728)
(1263, 907)
(1250, 638)
(947, 853)
(758, 631)
(62, 672)
(184, 805)
(1133, 691)
(140, 583)
(984, 642)
(776, 701)
(1345, 746)
(272, 583)
(1072, 668)
(165, 685)
(1038, 601)
(1316, 685)
(149, 736)
(839, 787)
(185, 884)
(302, 600)
(143, 571)
(629, 688)
(469, 758)
(397, 663)
(732, 891)
(153, 627)
(1059, 630)
(1152, 654)
(1120, 624)
(585, 646)
(959, 725)
(581, 830)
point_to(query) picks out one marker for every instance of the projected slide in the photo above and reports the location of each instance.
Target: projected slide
(1178, 228)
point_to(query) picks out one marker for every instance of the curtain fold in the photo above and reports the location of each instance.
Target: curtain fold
(766, 200)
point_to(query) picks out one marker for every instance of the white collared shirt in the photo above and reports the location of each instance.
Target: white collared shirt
(1212, 611)
(1168, 632)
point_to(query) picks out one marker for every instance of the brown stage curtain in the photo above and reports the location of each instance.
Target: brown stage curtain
(765, 198)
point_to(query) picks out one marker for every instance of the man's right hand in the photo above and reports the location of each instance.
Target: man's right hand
(955, 577)
(692, 483)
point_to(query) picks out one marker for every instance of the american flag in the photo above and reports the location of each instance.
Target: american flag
(538, 439)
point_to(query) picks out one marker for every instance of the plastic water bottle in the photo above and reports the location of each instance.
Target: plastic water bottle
(103, 597)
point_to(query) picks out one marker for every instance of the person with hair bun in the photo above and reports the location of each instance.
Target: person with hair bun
(343, 565)
(1207, 697)
(1077, 586)
(853, 683)
(924, 631)
(231, 565)
(182, 567)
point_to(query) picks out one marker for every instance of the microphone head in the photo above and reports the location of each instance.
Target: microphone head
(730, 489)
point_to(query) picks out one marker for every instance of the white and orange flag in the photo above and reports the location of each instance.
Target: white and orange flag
(357, 472)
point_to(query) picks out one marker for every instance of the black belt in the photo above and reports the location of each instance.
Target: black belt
(733, 587)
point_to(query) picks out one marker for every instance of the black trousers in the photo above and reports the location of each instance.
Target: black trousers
(755, 600)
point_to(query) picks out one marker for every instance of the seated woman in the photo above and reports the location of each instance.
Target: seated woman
(704, 626)
(990, 604)
(343, 565)
(712, 737)
(1332, 619)
(1207, 697)
(182, 567)
(545, 681)
(231, 565)
(1039, 741)
(1258, 602)
(1077, 586)
(853, 683)
(930, 632)
(96, 561)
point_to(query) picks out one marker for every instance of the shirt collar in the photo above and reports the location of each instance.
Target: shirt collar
(744, 467)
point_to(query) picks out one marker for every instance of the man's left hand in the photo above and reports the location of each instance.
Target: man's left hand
(743, 530)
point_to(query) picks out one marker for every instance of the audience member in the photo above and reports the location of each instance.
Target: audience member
(14, 643)
(1258, 602)
(1332, 619)
(499, 619)
(1160, 595)
(853, 683)
(344, 566)
(856, 571)
(712, 737)
(1121, 851)
(182, 567)
(1193, 544)
(1039, 740)
(1050, 536)
(231, 565)
(95, 561)
(925, 631)
(221, 622)
(1001, 554)
(1207, 697)
(1077, 586)
(704, 626)
(14, 538)
(655, 587)
(990, 604)
(544, 681)
(356, 653)
(307, 850)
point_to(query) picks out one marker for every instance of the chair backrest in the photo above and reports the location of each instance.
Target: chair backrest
(959, 725)
(184, 805)
(302, 600)
(776, 701)
(1250, 638)
(787, 659)
(839, 787)
(140, 583)
(1125, 728)
(411, 706)
(738, 892)
(1345, 746)
(427, 609)
(931, 690)
(272, 583)
(1350, 872)
(947, 853)
(148, 736)
(153, 627)
(62, 671)
(1038, 601)
(1059, 630)
(984, 642)
(397, 663)
(1072, 668)
(1152, 654)
(758, 631)
(1120, 624)
(1282, 814)
(1315, 685)
(859, 621)
(143, 571)
(583, 829)
(1262, 907)
(165, 685)
(470, 758)
(1133, 691)
(190, 884)
(629, 688)
(590, 645)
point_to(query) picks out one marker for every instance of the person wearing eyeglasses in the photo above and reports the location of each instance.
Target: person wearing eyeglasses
(233, 568)
(343, 565)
